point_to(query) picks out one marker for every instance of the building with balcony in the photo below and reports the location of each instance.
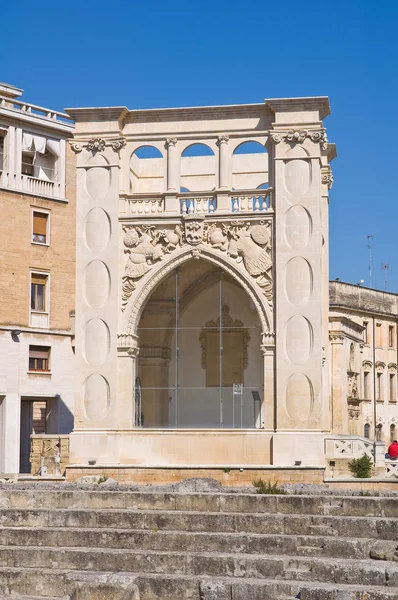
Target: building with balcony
(202, 299)
(37, 231)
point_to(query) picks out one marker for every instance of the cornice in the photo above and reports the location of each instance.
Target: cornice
(90, 114)
(320, 103)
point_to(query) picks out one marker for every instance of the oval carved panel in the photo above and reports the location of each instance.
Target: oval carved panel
(298, 281)
(97, 230)
(298, 339)
(299, 401)
(297, 176)
(98, 177)
(96, 397)
(97, 284)
(96, 342)
(298, 227)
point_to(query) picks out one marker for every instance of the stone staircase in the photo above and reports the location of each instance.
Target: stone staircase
(141, 545)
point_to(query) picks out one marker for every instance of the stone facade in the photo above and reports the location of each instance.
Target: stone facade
(167, 248)
(37, 229)
(364, 357)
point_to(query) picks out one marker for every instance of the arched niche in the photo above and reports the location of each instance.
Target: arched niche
(249, 166)
(198, 168)
(146, 170)
(199, 333)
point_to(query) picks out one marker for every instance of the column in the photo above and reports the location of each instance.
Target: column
(18, 160)
(127, 370)
(223, 171)
(173, 175)
(268, 407)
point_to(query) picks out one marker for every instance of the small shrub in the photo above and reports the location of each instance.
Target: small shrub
(263, 487)
(226, 470)
(102, 479)
(361, 467)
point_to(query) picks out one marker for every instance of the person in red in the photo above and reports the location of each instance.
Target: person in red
(393, 450)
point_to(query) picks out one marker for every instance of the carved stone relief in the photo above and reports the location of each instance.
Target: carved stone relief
(98, 145)
(245, 243)
(297, 136)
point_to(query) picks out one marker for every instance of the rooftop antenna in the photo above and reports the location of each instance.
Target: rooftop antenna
(369, 245)
(385, 267)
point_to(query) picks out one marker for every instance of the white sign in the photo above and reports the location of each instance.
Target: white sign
(237, 389)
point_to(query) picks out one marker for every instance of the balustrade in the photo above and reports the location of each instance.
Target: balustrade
(38, 186)
(200, 205)
(146, 206)
(250, 202)
(203, 203)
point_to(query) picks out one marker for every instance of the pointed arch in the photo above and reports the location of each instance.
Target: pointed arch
(152, 279)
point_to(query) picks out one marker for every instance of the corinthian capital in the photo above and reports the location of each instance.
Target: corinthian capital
(170, 142)
(223, 139)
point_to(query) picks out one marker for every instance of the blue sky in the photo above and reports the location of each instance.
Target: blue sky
(162, 54)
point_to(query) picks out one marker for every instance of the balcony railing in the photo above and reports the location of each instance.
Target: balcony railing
(205, 203)
(34, 185)
(40, 111)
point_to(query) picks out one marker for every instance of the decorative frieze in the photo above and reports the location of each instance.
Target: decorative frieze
(298, 136)
(245, 243)
(98, 145)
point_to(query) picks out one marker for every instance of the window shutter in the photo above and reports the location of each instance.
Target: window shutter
(39, 279)
(39, 352)
(40, 223)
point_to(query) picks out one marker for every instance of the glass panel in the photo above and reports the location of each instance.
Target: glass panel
(200, 363)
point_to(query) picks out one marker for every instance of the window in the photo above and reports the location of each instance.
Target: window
(378, 386)
(392, 433)
(365, 332)
(39, 358)
(392, 388)
(27, 164)
(391, 336)
(40, 228)
(366, 430)
(378, 335)
(366, 389)
(38, 290)
(379, 433)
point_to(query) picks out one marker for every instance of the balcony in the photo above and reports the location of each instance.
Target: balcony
(229, 202)
(40, 187)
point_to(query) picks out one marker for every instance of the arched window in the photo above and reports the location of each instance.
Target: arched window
(379, 433)
(146, 170)
(393, 435)
(198, 168)
(366, 430)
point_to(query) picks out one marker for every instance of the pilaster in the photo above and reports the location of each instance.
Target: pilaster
(300, 305)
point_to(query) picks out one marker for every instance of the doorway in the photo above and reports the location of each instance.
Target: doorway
(33, 420)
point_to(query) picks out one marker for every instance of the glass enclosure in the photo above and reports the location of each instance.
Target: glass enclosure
(200, 363)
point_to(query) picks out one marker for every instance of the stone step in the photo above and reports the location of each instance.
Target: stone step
(328, 526)
(187, 541)
(212, 502)
(57, 584)
(214, 564)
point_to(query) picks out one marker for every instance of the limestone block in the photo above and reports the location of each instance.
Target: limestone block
(104, 591)
(213, 590)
